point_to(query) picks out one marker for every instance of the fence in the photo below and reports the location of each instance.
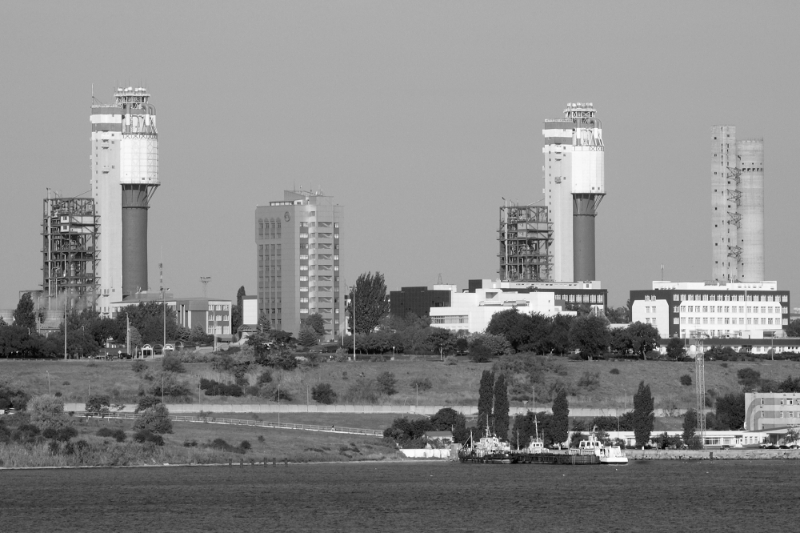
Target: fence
(254, 423)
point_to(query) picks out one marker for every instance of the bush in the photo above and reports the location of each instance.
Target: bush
(47, 412)
(323, 393)
(450, 360)
(66, 433)
(363, 391)
(264, 377)
(421, 385)
(145, 402)
(686, 380)
(215, 388)
(614, 371)
(98, 404)
(172, 363)
(144, 435)
(154, 419)
(190, 443)
(245, 445)
(749, 378)
(139, 366)
(167, 384)
(252, 390)
(387, 383)
(116, 434)
(272, 391)
(589, 380)
(695, 443)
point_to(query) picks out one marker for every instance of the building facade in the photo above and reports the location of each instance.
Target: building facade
(574, 185)
(767, 410)
(298, 260)
(737, 202)
(124, 177)
(710, 309)
(212, 314)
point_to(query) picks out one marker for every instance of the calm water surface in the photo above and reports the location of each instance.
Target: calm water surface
(644, 496)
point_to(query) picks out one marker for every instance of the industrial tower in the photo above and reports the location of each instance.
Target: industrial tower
(574, 187)
(737, 201)
(124, 178)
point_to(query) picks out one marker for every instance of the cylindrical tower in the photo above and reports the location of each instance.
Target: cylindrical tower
(725, 203)
(751, 231)
(139, 180)
(584, 211)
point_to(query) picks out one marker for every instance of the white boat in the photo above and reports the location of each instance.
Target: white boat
(608, 455)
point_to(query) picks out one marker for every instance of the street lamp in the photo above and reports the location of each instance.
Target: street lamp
(164, 301)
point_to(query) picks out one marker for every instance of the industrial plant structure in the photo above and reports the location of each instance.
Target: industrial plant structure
(298, 260)
(526, 236)
(737, 201)
(70, 228)
(124, 177)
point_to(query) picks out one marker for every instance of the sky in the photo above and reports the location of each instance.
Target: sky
(417, 117)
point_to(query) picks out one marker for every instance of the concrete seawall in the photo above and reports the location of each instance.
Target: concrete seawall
(716, 455)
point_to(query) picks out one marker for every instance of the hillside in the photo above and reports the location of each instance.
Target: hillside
(450, 384)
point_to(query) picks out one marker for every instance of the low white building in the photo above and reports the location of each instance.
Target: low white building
(472, 311)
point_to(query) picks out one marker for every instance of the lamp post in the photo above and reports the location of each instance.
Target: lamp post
(164, 302)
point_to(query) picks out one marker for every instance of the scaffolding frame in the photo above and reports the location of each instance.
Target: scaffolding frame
(70, 229)
(525, 236)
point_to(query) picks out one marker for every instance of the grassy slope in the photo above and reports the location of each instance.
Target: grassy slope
(452, 384)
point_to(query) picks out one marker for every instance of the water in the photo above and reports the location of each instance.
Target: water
(643, 496)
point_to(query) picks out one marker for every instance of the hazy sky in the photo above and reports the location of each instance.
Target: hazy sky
(416, 116)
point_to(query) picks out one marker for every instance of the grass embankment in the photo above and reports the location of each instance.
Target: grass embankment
(451, 384)
(294, 446)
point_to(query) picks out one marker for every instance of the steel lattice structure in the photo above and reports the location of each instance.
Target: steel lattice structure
(69, 249)
(525, 237)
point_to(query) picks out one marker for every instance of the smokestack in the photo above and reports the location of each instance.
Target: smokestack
(134, 238)
(584, 212)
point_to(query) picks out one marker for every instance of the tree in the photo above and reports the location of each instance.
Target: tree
(501, 408)
(730, 411)
(47, 412)
(323, 393)
(675, 348)
(618, 315)
(749, 378)
(644, 338)
(485, 399)
(237, 313)
(315, 322)
(511, 324)
(559, 428)
(558, 336)
(793, 328)
(371, 304)
(135, 338)
(307, 337)
(643, 414)
(263, 323)
(589, 334)
(154, 419)
(98, 404)
(689, 424)
(387, 383)
(24, 314)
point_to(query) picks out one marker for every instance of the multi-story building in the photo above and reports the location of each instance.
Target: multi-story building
(124, 177)
(574, 185)
(767, 410)
(737, 201)
(298, 260)
(212, 314)
(712, 309)
(419, 300)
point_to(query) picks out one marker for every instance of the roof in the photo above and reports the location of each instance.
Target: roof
(439, 434)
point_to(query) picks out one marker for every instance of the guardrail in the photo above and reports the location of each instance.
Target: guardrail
(254, 423)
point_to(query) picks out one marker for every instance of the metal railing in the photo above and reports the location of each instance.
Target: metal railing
(240, 422)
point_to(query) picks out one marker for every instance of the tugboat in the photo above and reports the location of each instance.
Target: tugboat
(489, 449)
(608, 455)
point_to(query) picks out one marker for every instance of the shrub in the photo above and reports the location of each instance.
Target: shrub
(363, 390)
(190, 443)
(387, 383)
(264, 377)
(137, 366)
(245, 445)
(261, 438)
(686, 380)
(154, 419)
(589, 380)
(167, 384)
(116, 434)
(252, 390)
(323, 393)
(614, 371)
(749, 378)
(695, 443)
(274, 392)
(422, 384)
(47, 412)
(450, 360)
(215, 388)
(172, 363)
(144, 435)
(58, 394)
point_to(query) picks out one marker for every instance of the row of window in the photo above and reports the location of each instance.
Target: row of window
(724, 297)
(728, 309)
(706, 320)
(581, 298)
(449, 319)
(318, 224)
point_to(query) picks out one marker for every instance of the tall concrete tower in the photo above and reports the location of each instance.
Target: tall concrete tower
(574, 175)
(124, 178)
(750, 156)
(737, 201)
